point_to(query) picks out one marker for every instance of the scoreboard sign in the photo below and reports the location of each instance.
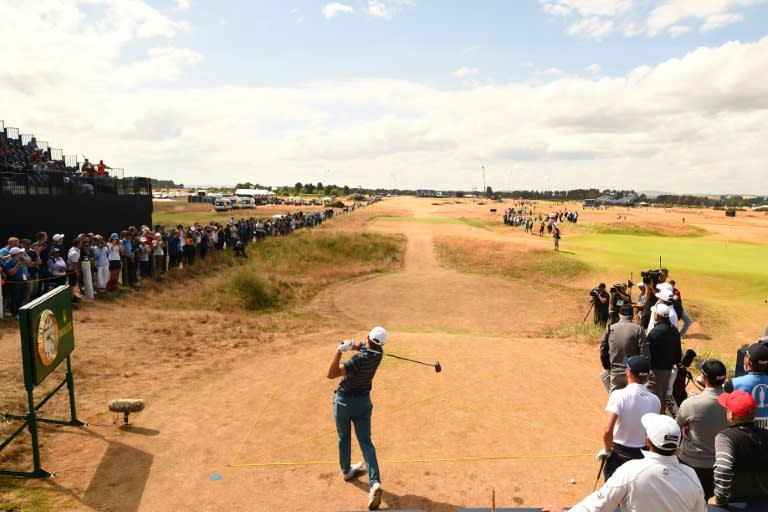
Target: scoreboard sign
(47, 336)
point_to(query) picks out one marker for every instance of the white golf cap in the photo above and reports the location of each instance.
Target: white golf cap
(665, 286)
(378, 335)
(662, 310)
(57, 237)
(665, 295)
(661, 430)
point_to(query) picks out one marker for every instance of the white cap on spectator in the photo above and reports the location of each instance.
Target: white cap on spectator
(57, 237)
(15, 250)
(662, 310)
(665, 295)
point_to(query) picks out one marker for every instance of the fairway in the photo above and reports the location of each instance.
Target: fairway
(239, 414)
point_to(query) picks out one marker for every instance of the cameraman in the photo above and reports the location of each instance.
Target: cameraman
(619, 297)
(651, 279)
(600, 300)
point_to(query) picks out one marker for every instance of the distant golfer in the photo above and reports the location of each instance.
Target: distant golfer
(556, 236)
(352, 405)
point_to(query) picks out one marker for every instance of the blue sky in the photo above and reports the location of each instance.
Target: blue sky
(645, 94)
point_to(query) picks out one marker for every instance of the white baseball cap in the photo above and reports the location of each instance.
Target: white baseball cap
(662, 310)
(662, 430)
(665, 295)
(665, 286)
(378, 335)
(15, 250)
(58, 237)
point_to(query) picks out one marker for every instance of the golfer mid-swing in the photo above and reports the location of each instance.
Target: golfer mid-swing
(352, 405)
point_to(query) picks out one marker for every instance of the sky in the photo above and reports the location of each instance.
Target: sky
(667, 95)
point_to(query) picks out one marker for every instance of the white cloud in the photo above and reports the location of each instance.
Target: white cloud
(465, 71)
(332, 9)
(599, 18)
(593, 68)
(183, 5)
(378, 9)
(386, 8)
(678, 30)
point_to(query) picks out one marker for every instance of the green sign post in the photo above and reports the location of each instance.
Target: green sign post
(47, 339)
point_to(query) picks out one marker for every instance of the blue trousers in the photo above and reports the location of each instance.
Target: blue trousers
(355, 410)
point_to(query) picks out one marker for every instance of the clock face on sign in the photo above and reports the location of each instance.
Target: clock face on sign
(48, 337)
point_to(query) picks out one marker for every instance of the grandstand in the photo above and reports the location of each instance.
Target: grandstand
(42, 188)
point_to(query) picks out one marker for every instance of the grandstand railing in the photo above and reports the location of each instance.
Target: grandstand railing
(59, 184)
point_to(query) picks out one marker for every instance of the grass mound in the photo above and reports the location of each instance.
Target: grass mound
(649, 230)
(282, 270)
(489, 257)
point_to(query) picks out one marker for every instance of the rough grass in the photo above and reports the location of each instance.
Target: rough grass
(581, 332)
(632, 229)
(15, 496)
(490, 257)
(283, 270)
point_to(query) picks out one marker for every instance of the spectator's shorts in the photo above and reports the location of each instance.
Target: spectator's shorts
(115, 265)
(72, 279)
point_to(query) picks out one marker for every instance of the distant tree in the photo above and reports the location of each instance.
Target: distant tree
(320, 185)
(346, 190)
(459, 193)
(298, 186)
(247, 184)
(309, 188)
(489, 191)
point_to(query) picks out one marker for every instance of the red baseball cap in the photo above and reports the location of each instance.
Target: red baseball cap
(739, 402)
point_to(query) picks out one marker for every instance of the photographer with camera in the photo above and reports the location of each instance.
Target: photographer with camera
(619, 297)
(651, 278)
(600, 298)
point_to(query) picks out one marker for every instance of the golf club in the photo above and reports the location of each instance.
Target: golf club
(436, 366)
(602, 465)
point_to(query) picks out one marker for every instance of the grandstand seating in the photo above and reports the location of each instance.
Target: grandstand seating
(18, 157)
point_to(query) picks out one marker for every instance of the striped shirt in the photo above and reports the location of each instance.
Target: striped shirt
(741, 463)
(360, 370)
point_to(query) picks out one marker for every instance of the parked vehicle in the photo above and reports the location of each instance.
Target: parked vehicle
(222, 204)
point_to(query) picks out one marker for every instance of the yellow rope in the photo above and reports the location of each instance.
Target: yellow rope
(576, 389)
(261, 412)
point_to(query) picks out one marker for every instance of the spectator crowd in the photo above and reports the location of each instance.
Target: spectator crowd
(93, 263)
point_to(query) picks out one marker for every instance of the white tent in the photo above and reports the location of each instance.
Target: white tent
(254, 192)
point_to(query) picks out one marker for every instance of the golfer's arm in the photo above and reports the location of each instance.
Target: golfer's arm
(336, 369)
(608, 431)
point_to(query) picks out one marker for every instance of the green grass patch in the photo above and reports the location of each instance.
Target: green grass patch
(558, 265)
(170, 218)
(20, 495)
(475, 223)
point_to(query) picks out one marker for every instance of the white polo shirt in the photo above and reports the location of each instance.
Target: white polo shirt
(656, 483)
(629, 404)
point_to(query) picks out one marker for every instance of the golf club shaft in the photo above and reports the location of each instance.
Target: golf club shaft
(406, 359)
(602, 465)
